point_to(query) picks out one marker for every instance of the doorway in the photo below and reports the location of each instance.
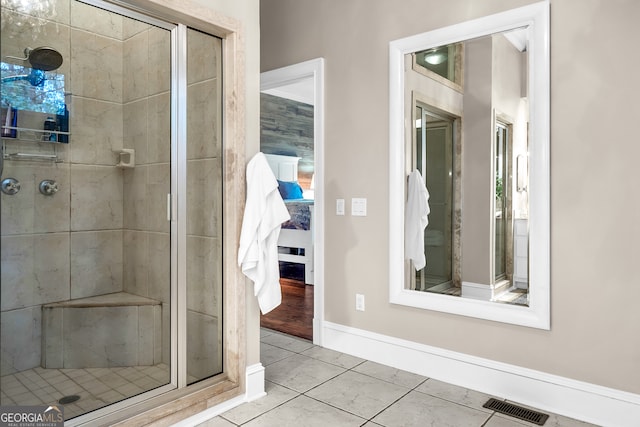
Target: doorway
(292, 108)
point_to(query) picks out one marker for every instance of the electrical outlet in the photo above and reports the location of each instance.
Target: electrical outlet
(359, 302)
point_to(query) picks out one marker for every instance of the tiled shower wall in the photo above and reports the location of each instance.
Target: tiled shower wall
(147, 119)
(69, 245)
(106, 230)
(204, 205)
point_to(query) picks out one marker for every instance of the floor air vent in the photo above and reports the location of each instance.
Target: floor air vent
(516, 411)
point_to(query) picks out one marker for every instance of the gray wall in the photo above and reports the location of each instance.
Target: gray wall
(594, 203)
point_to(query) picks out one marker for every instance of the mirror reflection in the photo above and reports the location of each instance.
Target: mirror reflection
(443, 61)
(467, 135)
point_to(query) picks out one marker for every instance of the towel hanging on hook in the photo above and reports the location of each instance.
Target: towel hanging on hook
(264, 213)
(416, 219)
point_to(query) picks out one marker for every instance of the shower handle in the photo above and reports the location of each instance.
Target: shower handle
(48, 187)
(10, 186)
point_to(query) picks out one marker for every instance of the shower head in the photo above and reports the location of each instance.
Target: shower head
(42, 58)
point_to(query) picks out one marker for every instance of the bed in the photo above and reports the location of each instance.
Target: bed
(295, 244)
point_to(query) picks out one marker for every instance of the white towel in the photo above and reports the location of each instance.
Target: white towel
(264, 213)
(416, 219)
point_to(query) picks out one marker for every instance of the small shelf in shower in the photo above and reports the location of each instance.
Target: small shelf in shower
(36, 135)
(33, 157)
(11, 151)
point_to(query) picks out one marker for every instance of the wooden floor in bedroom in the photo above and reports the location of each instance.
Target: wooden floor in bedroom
(295, 315)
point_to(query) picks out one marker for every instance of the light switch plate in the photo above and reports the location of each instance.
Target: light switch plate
(359, 207)
(339, 206)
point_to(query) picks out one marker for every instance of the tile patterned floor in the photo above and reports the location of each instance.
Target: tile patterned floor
(311, 386)
(97, 387)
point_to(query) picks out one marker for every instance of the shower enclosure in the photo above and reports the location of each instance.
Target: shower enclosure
(111, 215)
(433, 157)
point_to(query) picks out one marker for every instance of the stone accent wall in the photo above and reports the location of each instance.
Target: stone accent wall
(286, 128)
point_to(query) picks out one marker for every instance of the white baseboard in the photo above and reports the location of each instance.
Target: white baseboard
(564, 396)
(477, 291)
(254, 390)
(255, 382)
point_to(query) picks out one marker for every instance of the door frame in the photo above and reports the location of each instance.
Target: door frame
(312, 69)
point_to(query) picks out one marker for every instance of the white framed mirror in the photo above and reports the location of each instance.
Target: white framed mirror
(469, 110)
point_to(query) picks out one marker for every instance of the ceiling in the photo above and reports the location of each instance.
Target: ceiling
(300, 90)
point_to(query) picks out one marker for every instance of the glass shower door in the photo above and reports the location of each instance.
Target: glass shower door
(111, 246)
(86, 297)
(434, 159)
(203, 207)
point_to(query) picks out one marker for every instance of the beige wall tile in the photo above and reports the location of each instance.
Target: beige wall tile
(135, 198)
(158, 186)
(146, 333)
(52, 334)
(35, 269)
(203, 120)
(29, 211)
(136, 67)
(136, 262)
(89, 340)
(17, 271)
(94, 20)
(203, 56)
(158, 333)
(131, 27)
(204, 355)
(159, 60)
(96, 263)
(97, 130)
(63, 11)
(51, 267)
(96, 66)
(166, 333)
(20, 339)
(51, 213)
(136, 128)
(159, 270)
(204, 275)
(17, 211)
(204, 197)
(159, 128)
(96, 198)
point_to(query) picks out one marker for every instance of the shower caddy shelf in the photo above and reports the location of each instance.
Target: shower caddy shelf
(33, 135)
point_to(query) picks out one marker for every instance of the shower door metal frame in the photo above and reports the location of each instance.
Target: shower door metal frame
(178, 96)
(421, 101)
(233, 315)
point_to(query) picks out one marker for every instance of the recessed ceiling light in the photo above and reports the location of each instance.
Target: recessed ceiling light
(435, 57)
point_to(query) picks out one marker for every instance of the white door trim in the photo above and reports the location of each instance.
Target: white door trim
(312, 69)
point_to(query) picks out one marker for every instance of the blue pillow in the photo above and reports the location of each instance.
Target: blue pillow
(290, 190)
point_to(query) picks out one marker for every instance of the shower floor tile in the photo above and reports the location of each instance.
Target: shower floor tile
(97, 387)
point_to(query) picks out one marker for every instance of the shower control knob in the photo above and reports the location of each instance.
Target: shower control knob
(48, 187)
(10, 186)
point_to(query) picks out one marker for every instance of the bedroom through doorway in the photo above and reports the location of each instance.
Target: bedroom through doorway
(290, 138)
